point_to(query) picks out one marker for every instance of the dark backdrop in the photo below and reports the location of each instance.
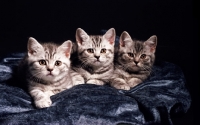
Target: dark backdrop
(173, 21)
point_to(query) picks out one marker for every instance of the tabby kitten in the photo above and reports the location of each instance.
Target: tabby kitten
(95, 55)
(134, 61)
(46, 68)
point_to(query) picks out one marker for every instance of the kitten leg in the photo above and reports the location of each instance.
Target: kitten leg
(50, 93)
(55, 91)
(76, 78)
(95, 81)
(134, 81)
(119, 83)
(41, 99)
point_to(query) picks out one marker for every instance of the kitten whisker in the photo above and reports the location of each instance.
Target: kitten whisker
(84, 64)
(147, 68)
(36, 74)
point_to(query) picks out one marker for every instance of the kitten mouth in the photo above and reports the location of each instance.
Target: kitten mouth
(97, 61)
(49, 74)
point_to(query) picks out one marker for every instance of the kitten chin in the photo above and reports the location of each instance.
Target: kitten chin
(133, 61)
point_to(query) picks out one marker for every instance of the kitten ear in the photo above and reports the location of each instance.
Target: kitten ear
(33, 46)
(110, 35)
(124, 39)
(81, 36)
(152, 43)
(66, 48)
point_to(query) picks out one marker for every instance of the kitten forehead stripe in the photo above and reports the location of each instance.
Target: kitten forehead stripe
(50, 50)
(138, 46)
(96, 41)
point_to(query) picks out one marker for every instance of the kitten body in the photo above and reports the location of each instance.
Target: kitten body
(47, 70)
(133, 61)
(95, 55)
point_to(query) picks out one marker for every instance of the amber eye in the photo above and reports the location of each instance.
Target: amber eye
(103, 50)
(58, 63)
(42, 62)
(143, 56)
(90, 50)
(131, 54)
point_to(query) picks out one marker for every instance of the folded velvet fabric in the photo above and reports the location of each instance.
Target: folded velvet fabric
(162, 96)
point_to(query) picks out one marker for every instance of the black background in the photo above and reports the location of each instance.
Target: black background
(173, 21)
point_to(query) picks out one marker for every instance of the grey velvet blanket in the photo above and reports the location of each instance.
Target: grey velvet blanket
(155, 101)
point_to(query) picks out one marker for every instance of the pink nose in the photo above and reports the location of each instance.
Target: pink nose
(97, 57)
(136, 62)
(49, 69)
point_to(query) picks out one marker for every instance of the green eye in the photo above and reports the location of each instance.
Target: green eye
(143, 56)
(90, 50)
(103, 50)
(130, 54)
(42, 62)
(58, 63)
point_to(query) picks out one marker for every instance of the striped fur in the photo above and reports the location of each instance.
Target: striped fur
(133, 62)
(47, 68)
(94, 57)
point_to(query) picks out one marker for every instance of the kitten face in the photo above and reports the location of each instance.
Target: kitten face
(136, 55)
(95, 50)
(48, 61)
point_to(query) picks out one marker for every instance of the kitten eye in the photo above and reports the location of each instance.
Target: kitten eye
(143, 56)
(90, 50)
(103, 50)
(42, 62)
(58, 63)
(131, 54)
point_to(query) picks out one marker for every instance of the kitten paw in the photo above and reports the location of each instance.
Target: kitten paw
(134, 82)
(133, 85)
(78, 83)
(124, 87)
(43, 103)
(96, 82)
(56, 91)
